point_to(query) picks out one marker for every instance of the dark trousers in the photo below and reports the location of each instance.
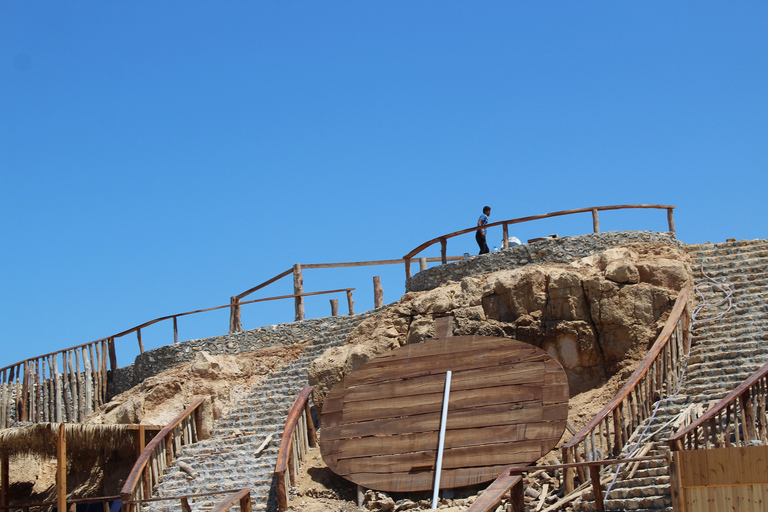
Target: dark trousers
(480, 237)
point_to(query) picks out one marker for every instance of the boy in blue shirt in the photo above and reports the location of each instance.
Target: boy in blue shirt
(480, 235)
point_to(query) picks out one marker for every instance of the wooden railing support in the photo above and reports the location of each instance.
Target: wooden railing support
(235, 325)
(61, 468)
(671, 221)
(444, 250)
(422, 264)
(298, 289)
(595, 221)
(350, 302)
(378, 292)
(334, 307)
(298, 434)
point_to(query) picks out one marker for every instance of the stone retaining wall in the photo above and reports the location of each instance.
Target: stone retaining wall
(553, 250)
(314, 331)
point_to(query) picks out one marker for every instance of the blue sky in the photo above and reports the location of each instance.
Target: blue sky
(157, 158)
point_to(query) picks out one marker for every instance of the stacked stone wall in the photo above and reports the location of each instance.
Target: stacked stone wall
(551, 250)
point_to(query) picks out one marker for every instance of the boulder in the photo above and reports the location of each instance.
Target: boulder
(596, 315)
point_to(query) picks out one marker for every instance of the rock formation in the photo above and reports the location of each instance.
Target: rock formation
(595, 315)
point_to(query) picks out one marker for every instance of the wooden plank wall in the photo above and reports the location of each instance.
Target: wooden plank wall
(724, 479)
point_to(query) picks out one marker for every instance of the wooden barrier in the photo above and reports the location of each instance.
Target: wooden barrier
(443, 240)
(160, 453)
(739, 419)
(656, 377)
(298, 436)
(718, 479)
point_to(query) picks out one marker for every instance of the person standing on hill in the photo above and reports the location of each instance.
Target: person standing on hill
(480, 235)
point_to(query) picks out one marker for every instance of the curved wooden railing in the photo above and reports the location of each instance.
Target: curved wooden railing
(299, 434)
(735, 420)
(656, 377)
(443, 240)
(70, 384)
(160, 453)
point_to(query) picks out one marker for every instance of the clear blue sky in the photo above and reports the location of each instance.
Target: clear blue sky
(159, 157)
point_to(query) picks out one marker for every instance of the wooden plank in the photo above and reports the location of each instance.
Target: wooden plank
(392, 407)
(423, 480)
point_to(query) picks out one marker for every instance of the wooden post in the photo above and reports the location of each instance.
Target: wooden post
(61, 468)
(407, 268)
(112, 354)
(444, 250)
(595, 221)
(378, 293)
(175, 330)
(334, 307)
(245, 503)
(235, 325)
(5, 467)
(350, 302)
(141, 344)
(505, 241)
(516, 497)
(568, 472)
(594, 475)
(140, 440)
(671, 221)
(298, 288)
(422, 264)
(25, 394)
(185, 505)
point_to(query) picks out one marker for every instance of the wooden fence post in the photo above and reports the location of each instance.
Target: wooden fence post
(350, 302)
(671, 221)
(298, 288)
(235, 325)
(407, 268)
(141, 344)
(378, 293)
(505, 235)
(61, 468)
(334, 307)
(595, 221)
(422, 264)
(444, 250)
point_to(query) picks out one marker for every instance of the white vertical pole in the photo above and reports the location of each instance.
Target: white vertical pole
(441, 443)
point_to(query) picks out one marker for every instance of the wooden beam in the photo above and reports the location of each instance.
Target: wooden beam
(61, 468)
(378, 292)
(298, 289)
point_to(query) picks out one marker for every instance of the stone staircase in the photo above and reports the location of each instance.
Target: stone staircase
(228, 460)
(725, 352)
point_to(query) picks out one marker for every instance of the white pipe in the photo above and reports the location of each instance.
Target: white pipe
(441, 442)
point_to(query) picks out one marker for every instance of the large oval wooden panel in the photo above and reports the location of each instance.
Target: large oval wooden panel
(508, 405)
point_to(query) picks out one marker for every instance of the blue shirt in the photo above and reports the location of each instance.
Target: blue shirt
(483, 220)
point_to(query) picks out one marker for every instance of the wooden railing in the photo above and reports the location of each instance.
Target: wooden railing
(736, 420)
(656, 377)
(69, 385)
(443, 240)
(298, 435)
(160, 453)
(42, 390)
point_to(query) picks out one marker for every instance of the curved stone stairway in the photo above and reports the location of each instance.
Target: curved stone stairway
(725, 352)
(228, 460)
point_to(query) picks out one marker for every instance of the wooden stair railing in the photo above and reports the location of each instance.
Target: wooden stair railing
(736, 420)
(443, 240)
(298, 436)
(160, 453)
(656, 377)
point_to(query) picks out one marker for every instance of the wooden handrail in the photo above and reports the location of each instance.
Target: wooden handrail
(739, 404)
(505, 223)
(638, 392)
(287, 453)
(139, 468)
(243, 496)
